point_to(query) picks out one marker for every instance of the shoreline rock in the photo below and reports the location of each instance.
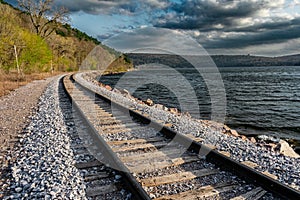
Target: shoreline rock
(285, 149)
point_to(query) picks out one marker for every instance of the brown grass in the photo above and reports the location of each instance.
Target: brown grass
(11, 81)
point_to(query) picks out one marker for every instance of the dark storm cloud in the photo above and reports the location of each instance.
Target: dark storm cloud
(104, 7)
(126, 7)
(250, 39)
(203, 15)
(273, 25)
(99, 6)
(116, 31)
(103, 37)
(155, 40)
(219, 17)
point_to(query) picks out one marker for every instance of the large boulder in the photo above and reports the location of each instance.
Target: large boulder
(174, 111)
(253, 140)
(268, 139)
(115, 90)
(285, 149)
(149, 102)
(127, 94)
(226, 129)
(161, 107)
(234, 133)
(108, 88)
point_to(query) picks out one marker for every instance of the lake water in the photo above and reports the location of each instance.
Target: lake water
(260, 100)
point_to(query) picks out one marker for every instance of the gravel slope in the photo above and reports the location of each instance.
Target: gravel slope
(15, 108)
(44, 165)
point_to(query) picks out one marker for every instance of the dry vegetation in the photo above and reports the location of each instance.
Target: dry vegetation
(13, 80)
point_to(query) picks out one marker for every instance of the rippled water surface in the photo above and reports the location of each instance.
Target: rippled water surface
(260, 100)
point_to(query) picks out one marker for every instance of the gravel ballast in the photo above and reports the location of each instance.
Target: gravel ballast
(285, 169)
(44, 167)
(15, 108)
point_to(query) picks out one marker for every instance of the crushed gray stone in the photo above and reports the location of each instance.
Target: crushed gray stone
(44, 168)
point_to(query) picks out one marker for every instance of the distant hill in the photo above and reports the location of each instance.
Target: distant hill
(220, 60)
(251, 61)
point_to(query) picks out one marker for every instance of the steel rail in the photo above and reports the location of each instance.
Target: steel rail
(110, 157)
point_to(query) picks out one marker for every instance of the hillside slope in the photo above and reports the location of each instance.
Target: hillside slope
(64, 50)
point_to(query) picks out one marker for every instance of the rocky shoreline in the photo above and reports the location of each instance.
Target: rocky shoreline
(272, 157)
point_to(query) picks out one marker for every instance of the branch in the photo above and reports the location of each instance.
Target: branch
(39, 10)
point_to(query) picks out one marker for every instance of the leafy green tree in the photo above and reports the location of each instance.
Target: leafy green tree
(35, 55)
(9, 36)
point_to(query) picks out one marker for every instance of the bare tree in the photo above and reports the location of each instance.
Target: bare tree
(43, 15)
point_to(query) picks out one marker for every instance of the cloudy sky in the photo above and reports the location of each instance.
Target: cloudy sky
(261, 27)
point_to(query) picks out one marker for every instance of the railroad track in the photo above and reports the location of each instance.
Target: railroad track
(101, 181)
(155, 161)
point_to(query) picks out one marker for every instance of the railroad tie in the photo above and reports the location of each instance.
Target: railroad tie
(178, 177)
(200, 193)
(254, 194)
